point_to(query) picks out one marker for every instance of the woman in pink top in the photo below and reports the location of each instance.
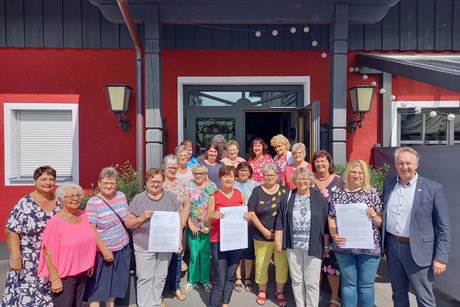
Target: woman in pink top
(299, 152)
(258, 158)
(68, 248)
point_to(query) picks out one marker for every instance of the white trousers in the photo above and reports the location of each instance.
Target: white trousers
(305, 274)
(151, 271)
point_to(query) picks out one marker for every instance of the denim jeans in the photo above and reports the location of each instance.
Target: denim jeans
(357, 279)
(224, 265)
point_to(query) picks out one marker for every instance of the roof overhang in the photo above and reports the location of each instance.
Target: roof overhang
(442, 70)
(249, 11)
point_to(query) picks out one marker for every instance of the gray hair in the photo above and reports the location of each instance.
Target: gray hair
(299, 146)
(67, 185)
(270, 167)
(108, 172)
(180, 148)
(200, 167)
(218, 138)
(409, 150)
(169, 159)
(303, 171)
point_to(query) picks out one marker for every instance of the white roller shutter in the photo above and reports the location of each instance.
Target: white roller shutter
(45, 138)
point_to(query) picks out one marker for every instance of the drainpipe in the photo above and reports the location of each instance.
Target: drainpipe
(128, 18)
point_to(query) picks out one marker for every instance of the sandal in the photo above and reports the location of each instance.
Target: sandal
(248, 285)
(261, 300)
(334, 302)
(238, 286)
(281, 298)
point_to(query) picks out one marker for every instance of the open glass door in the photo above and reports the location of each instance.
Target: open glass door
(309, 128)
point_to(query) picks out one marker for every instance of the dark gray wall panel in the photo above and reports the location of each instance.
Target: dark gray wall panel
(14, 23)
(295, 40)
(239, 40)
(33, 23)
(356, 37)
(408, 25)
(259, 43)
(169, 36)
(306, 40)
(125, 38)
(2, 24)
(203, 37)
(443, 32)
(315, 31)
(90, 25)
(110, 34)
(53, 34)
(221, 38)
(456, 26)
(72, 23)
(324, 39)
(373, 36)
(390, 29)
(425, 23)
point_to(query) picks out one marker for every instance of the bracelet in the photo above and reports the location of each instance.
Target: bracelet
(16, 259)
(326, 246)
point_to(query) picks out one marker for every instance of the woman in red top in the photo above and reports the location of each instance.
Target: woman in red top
(224, 263)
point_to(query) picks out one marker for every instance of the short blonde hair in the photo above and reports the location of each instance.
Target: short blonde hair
(301, 171)
(363, 165)
(301, 147)
(280, 139)
(200, 168)
(232, 143)
(409, 150)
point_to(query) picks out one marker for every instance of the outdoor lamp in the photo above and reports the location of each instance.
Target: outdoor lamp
(118, 96)
(361, 97)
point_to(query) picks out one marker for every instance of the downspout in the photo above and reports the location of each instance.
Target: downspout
(128, 18)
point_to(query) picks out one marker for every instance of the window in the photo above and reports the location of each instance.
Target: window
(422, 129)
(40, 134)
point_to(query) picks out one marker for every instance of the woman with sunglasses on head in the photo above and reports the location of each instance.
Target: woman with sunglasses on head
(68, 248)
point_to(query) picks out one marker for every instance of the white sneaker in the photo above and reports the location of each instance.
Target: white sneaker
(207, 288)
(188, 287)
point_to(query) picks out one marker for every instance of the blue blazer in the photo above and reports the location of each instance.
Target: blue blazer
(429, 226)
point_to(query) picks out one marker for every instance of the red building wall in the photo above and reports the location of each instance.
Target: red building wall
(70, 76)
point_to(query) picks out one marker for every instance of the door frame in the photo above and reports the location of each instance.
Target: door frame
(235, 80)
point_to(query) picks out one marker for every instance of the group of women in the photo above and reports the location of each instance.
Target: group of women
(85, 255)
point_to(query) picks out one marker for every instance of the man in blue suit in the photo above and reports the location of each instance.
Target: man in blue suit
(416, 230)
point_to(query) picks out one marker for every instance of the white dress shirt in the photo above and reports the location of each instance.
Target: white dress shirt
(399, 208)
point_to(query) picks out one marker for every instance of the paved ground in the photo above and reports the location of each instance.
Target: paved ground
(197, 297)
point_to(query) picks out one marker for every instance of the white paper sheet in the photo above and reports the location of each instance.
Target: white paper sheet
(164, 232)
(355, 225)
(233, 228)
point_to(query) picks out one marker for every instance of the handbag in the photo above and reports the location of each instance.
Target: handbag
(132, 265)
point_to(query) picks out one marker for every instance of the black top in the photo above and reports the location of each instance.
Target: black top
(266, 207)
(318, 222)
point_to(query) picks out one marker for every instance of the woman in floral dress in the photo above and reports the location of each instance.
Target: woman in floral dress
(327, 182)
(24, 230)
(198, 235)
(258, 158)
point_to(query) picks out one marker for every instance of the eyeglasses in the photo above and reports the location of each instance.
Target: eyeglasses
(155, 182)
(244, 171)
(270, 175)
(106, 184)
(199, 174)
(73, 197)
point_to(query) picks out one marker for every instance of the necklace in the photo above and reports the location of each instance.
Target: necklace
(323, 179)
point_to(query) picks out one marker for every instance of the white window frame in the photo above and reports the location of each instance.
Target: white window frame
(11, 143)
(234, 80)
(413, 104)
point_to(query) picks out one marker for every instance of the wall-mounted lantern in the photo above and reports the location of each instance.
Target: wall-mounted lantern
(361, 97)
(118, 96)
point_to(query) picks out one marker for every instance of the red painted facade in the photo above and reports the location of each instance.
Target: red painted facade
(79, 76)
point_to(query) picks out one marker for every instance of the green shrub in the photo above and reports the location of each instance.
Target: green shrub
(378, 175)
(128, 182)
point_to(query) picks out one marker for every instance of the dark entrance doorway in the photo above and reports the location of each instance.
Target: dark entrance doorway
(265, 125)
